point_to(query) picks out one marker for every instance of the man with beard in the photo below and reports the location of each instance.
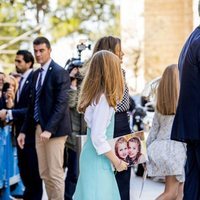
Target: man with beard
(27, 157)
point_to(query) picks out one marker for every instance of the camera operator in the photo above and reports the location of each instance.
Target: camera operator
(75, 68)
(75, 75)
(78, 128)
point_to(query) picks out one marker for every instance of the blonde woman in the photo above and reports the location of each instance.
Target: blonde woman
(10, 91)
(101, 90)
(166, 157)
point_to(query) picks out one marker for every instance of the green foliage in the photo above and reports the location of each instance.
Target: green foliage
(91, 17)
(13, 15)
(40, 7)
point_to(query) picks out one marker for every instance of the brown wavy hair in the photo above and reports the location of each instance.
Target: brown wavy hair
(104, 76)
(104, 43)
(107, 43)
(168, 91)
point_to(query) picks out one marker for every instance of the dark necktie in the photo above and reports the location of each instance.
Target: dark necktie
(37, 95)
(19, 88)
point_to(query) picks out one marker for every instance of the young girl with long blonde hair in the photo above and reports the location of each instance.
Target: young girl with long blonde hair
(102, 89)
(121, 120)
(166, 157)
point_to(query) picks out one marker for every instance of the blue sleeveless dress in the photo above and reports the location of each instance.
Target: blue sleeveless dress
(96, 179)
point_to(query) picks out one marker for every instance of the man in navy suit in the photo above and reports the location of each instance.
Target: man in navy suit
(186, 126)
(27, 157)
(50, 113)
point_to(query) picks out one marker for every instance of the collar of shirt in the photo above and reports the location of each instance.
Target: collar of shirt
(46, 65)
(45, 69)
(25, 76)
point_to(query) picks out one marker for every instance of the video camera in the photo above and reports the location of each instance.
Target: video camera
(76, 62)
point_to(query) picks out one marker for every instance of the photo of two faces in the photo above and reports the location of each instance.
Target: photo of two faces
(131, 148)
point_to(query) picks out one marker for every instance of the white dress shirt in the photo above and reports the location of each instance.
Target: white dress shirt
(98, 118)
(45, 69)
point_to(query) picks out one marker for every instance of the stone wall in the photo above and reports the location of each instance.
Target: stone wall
(132, 35)
(167, 24)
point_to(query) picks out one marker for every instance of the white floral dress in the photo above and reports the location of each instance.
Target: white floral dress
(165, 156)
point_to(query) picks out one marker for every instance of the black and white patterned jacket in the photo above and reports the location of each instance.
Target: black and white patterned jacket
(124, 105)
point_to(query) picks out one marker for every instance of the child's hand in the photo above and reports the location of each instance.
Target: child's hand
(122, 165)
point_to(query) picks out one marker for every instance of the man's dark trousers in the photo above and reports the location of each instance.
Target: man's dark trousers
(28, 167)
(27, 157)
(192, 172)
(72, 174)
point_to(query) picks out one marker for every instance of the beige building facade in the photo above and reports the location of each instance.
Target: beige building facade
(153, 33)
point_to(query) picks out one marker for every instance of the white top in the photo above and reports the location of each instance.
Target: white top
(98, 118)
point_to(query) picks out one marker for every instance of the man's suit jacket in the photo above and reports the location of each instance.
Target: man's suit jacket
(53, 102)
(186, 126)
(20, 109)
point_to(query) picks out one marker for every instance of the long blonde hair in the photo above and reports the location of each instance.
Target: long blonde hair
(168, 91)
(103, 76)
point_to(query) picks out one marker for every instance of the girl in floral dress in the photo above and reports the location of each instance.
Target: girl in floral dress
(166, 157)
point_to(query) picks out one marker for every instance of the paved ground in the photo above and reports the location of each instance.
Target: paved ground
(151, 188)
(150, 191)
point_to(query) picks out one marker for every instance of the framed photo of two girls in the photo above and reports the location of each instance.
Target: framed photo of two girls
(130, 148)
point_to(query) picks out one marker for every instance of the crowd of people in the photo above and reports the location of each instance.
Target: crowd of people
(41, 106)
(48, 107)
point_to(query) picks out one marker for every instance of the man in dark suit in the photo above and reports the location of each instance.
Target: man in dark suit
(186, 126)
(27, 157)
(49, 112)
